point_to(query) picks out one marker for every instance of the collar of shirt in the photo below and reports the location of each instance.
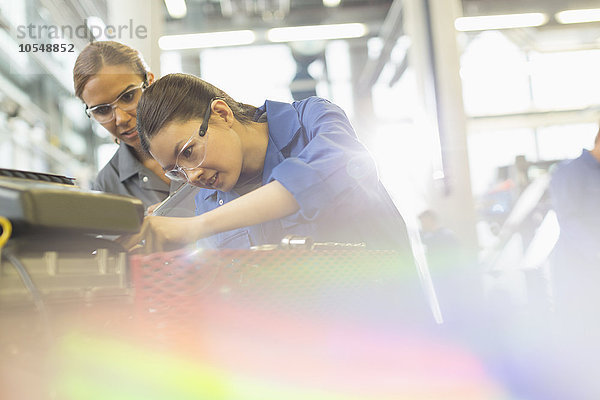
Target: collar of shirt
(283, 122)
(129, 166)
(284, 125)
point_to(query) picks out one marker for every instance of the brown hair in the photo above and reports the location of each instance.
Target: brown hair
(180, 98)
(98, 54)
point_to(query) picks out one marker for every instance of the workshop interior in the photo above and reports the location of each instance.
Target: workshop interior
(481, 119)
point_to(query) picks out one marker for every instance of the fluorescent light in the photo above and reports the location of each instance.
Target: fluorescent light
(578, 16)
(202, 40)
(176, 8)
(331, 3)
(489, 22)
(317, 32)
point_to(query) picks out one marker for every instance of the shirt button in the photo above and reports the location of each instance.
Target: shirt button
(145, 179)
(220, 202)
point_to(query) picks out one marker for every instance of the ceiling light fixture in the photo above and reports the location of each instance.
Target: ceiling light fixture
(210, 39)
(176, 8)
(578, 16)
(490, 22)
(317, 32)
(331, 3)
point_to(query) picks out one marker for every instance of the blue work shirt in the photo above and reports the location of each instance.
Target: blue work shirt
(575, 190)
(314, 153)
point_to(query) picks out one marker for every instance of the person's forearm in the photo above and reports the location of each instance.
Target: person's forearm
(266, 203)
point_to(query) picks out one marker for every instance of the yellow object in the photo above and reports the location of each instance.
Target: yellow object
(6, 231)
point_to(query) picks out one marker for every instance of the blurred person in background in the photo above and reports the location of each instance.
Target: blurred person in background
(457, 282)
(575, 271)
(575, 193)
(109, 78)
(441, 244)
(264, 172)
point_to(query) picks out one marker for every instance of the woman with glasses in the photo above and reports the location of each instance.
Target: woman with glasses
(109, 78)
(265, 172)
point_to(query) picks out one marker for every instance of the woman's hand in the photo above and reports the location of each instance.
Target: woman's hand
(150, 210)
(162, 234)
(266, 203)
